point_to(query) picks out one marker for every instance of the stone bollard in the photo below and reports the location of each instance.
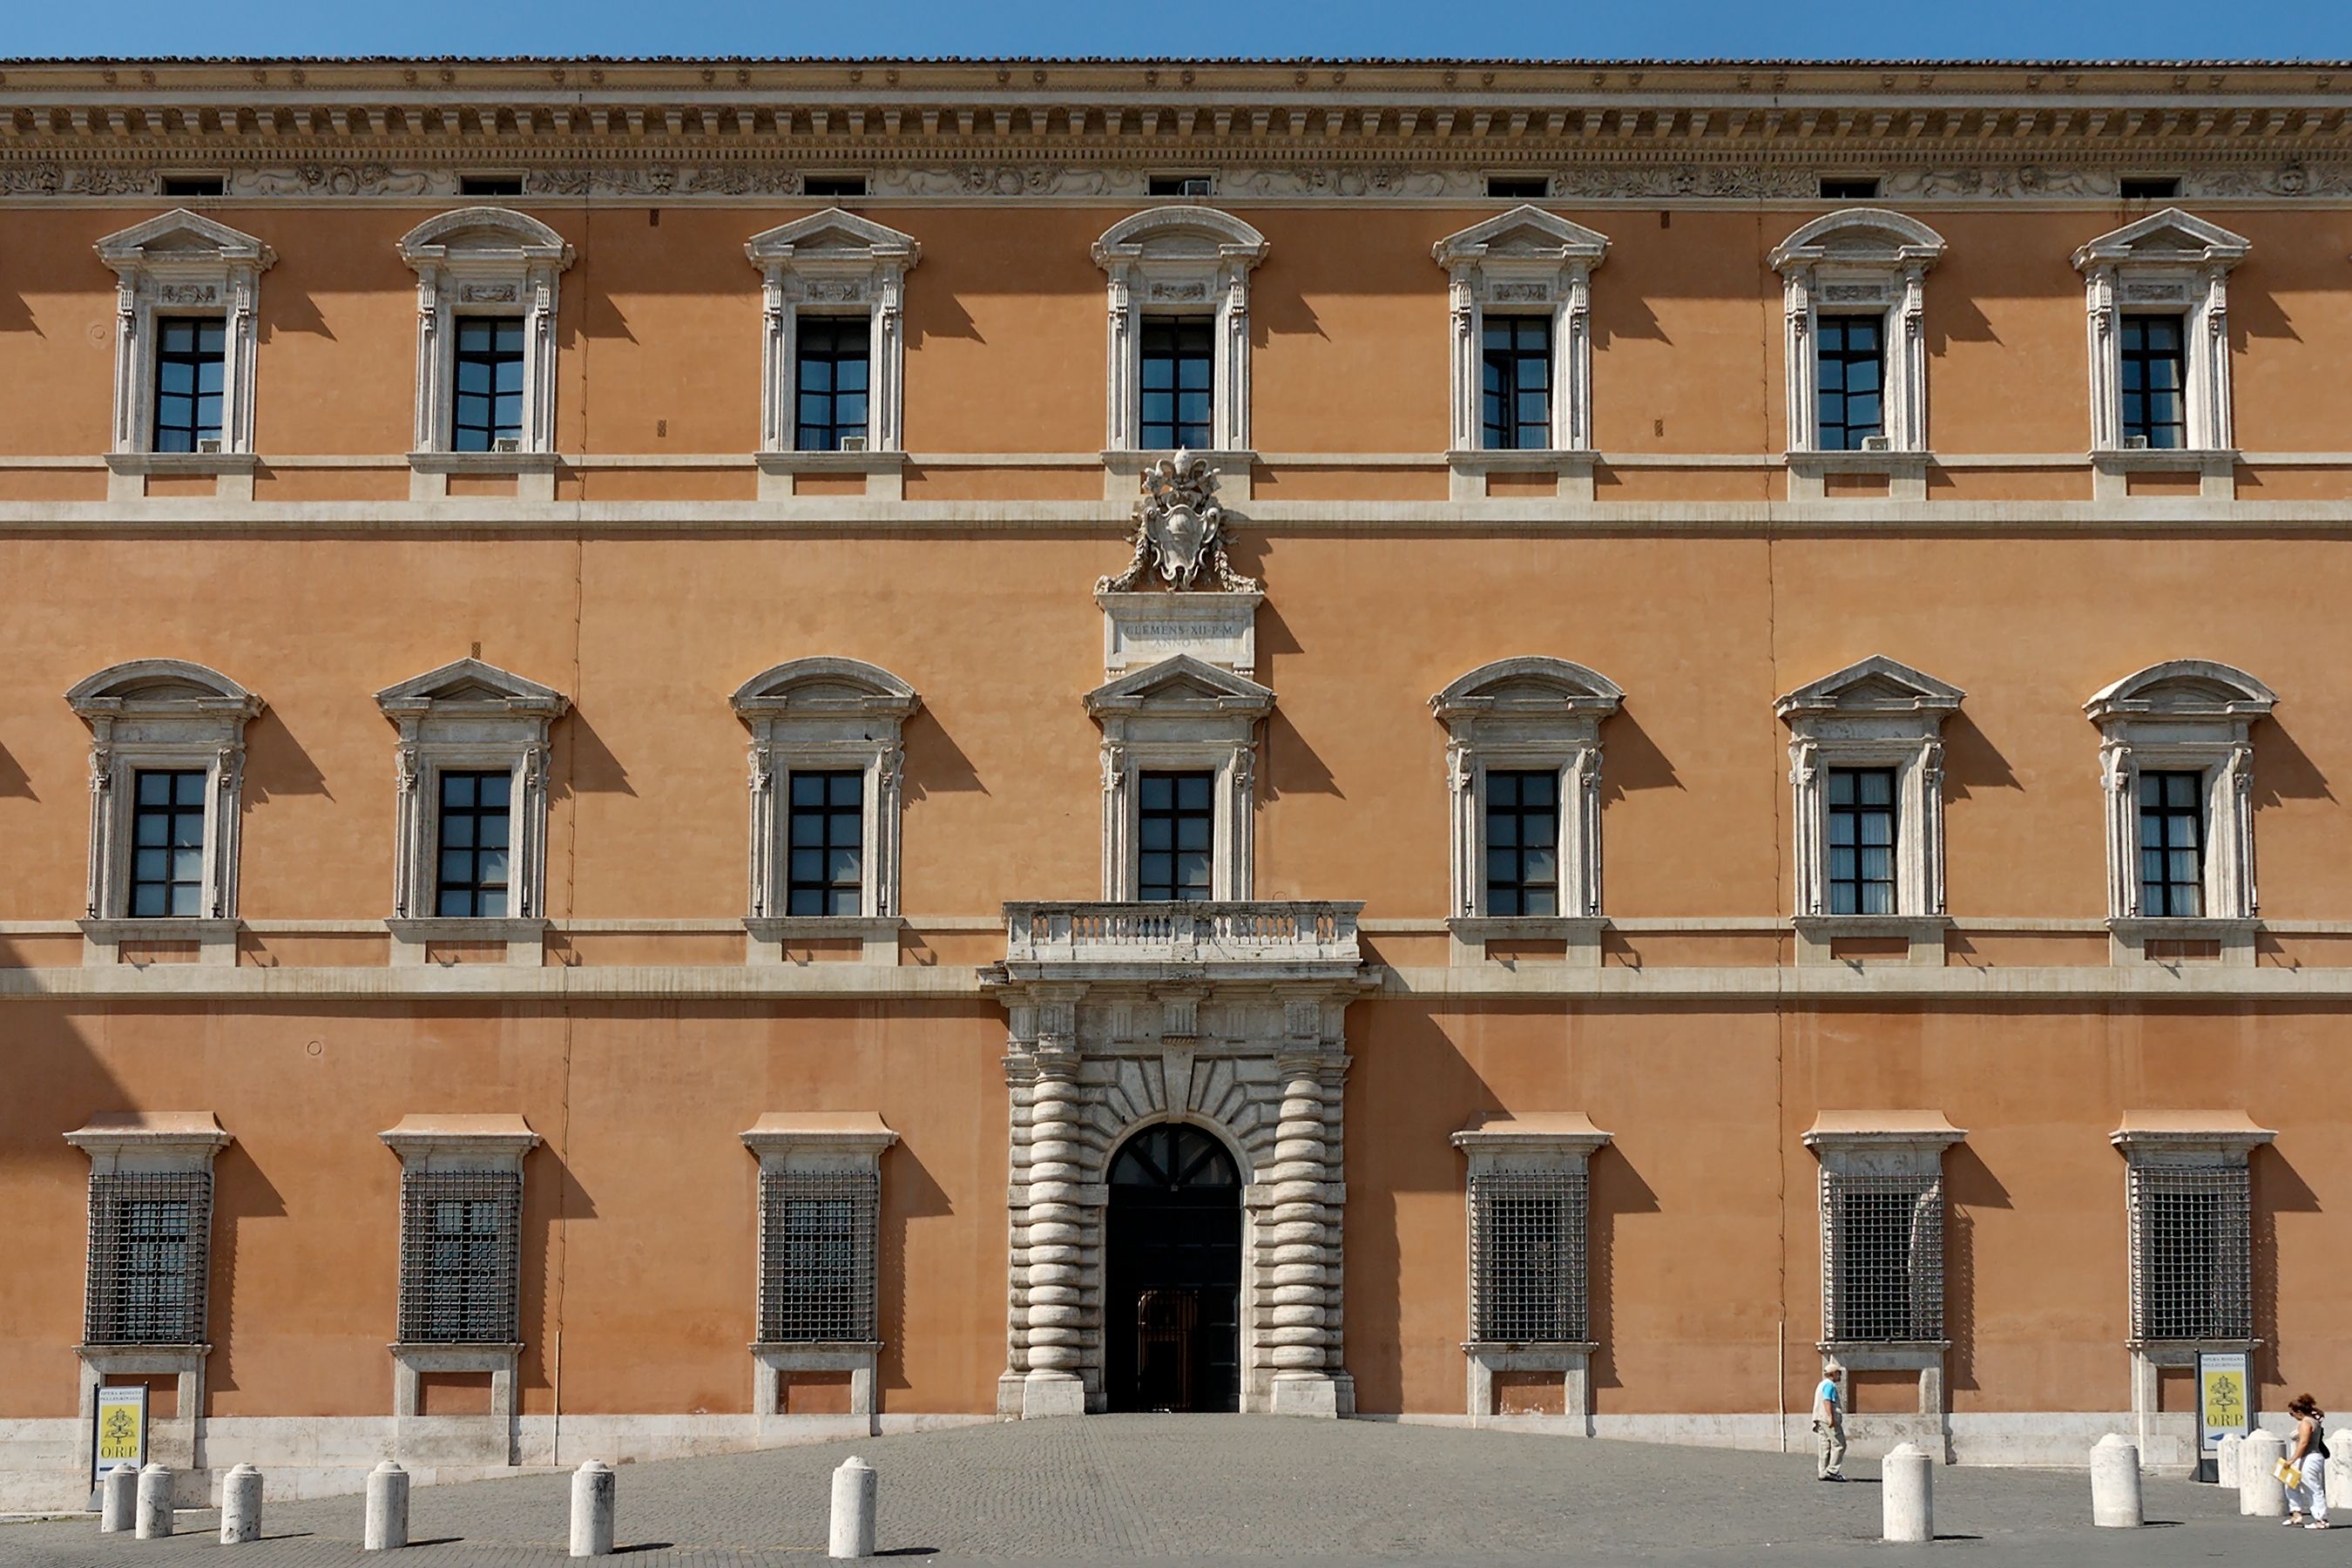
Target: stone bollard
(154, 1502)
(2337, 1473)
(854, 1494)
(1906, 1484)
(2260, 1494)
(241, 1506)
(117, 1499)
(592, 1498)
(387, 1508)
(2225, 1461)
(2115, 1484)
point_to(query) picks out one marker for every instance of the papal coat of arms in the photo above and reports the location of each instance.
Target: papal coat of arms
(1178, 530)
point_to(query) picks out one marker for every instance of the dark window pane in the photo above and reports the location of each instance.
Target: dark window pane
(1178, 362)
(2172, 843)
(1861, 826)
(473, 873)
(1522, 833)
(826, 876)
(488, 406)
(1516, 399)
(1176, 811)
(191, 361)
(167, 829)
(832, 353)
(2154, 364)
(1848, 355)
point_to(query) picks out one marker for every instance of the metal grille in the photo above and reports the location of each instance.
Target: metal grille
(149, 1248)
(2192, 1253)
(460, 1256)
(1883, 1256)
(816, 1256)
(1527, 1257)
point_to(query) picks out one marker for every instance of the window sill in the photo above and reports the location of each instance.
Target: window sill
(770, 940)
(214, 940)
(2215, 470)
(1905, 474)
(181, 462)
(2142, 939)
(1819, 938)
(1475, 936)
(414, 941)
(1469, 472)
(429, 473)
(885, 473)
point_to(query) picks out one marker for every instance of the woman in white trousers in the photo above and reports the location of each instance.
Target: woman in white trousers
(2309, 1456)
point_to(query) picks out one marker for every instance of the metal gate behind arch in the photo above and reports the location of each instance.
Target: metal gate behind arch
(1173, 1274)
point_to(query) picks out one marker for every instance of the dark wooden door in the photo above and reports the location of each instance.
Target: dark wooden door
(1173, 1285)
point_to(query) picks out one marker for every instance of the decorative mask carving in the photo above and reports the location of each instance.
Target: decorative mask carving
(1178, 530)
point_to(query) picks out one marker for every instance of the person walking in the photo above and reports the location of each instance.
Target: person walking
(2309, 1456)
(1829, 1426)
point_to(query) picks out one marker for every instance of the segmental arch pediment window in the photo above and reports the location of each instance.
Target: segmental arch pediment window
(1180, 274)
(1185, 731)
(1854, 295)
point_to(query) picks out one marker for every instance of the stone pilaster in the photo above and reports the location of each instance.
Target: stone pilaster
(1056, 1306)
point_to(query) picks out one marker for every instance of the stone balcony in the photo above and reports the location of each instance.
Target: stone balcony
(1258, 933)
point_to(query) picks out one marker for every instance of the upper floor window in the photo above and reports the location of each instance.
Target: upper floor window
(1520, 363)
(477, 828)
(1854, 296)
(2156, 301)
(490, 184)
(185, 334)
(1849, 190)
(1177, 186)
(167, 772)
(2150, 187)
(1179, 380)
(167, 835)
(1517, 187)
(191, 362)
(1522, 841)
(471, 838)
(1185, 381)
(834, 186)
(1516, 395)
(1176, 836)
(2177, 763)
(485, 312)
(487, 414)
(833, 353)
(1851, 364)
(2155, 366)
(1866, 762)
(828, 843)
(1861, 833)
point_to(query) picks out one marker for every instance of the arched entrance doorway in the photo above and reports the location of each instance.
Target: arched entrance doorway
(1173, 1273)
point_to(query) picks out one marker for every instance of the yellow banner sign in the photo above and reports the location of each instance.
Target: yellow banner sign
(121, 1427)
(2222, 1393)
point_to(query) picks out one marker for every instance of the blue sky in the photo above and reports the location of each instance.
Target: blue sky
(1944, 29)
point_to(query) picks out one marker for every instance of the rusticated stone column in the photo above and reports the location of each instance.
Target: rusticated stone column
(1020, 1082)
(1057, 1280)
(1303, 1228)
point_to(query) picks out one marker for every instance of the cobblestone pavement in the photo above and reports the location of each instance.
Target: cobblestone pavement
(1230, 1489)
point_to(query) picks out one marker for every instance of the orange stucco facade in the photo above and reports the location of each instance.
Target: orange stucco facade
(655, 552)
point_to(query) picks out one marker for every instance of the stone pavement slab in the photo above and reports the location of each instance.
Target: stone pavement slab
(1225, 1490)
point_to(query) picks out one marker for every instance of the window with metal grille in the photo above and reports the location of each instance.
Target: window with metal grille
(831, 381)
(2191, 1252)
(1176, 828)
(828, 848)
(460, 1256)
(191, 359)
(2172, 844)
(167, 843)
(488, 388)
(1518, 392)
(1178, 370)
(2154, 372)
(1851, 360)
(149, 1249)
(1527, 1257)
(477, 823)
(816, 1256)
(1522, 843)
(1862, 841)
(1883, 1256)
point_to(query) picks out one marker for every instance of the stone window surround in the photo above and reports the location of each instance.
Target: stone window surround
(1493, 720)
(456, 1142)
(197, 722)
(1888, 1144)
(2204, 725)
(863, 272)
(152, 1141)
(1874, 713)
(219, 274)
(515, 273)
(2148, 1138)
(1555, 274)
(1853, 259)
(816, 714)
(1155, 272)
(817, 1142)
(1212, 727)
(1539, 1141)
(2117, 274)
(494, 720)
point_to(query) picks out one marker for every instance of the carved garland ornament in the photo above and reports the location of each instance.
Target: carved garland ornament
(1178, 530)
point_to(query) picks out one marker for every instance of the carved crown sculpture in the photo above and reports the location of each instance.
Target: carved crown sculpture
(1180, 532)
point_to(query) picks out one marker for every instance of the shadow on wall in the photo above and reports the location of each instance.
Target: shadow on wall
(908, 1193)
(16, 784)
(241, 1193)
(2284, 771)
(1631, 760)
(2277, 1189)
(1968, 1185)
(934, 763)
(584, 765)
(1971, 761)
(1292, 766)
(549, 1193)
(286, 311)
(1616, 1190)
(275, 763)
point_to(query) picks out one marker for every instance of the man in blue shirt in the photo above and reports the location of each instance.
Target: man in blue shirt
(1829, 1425)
